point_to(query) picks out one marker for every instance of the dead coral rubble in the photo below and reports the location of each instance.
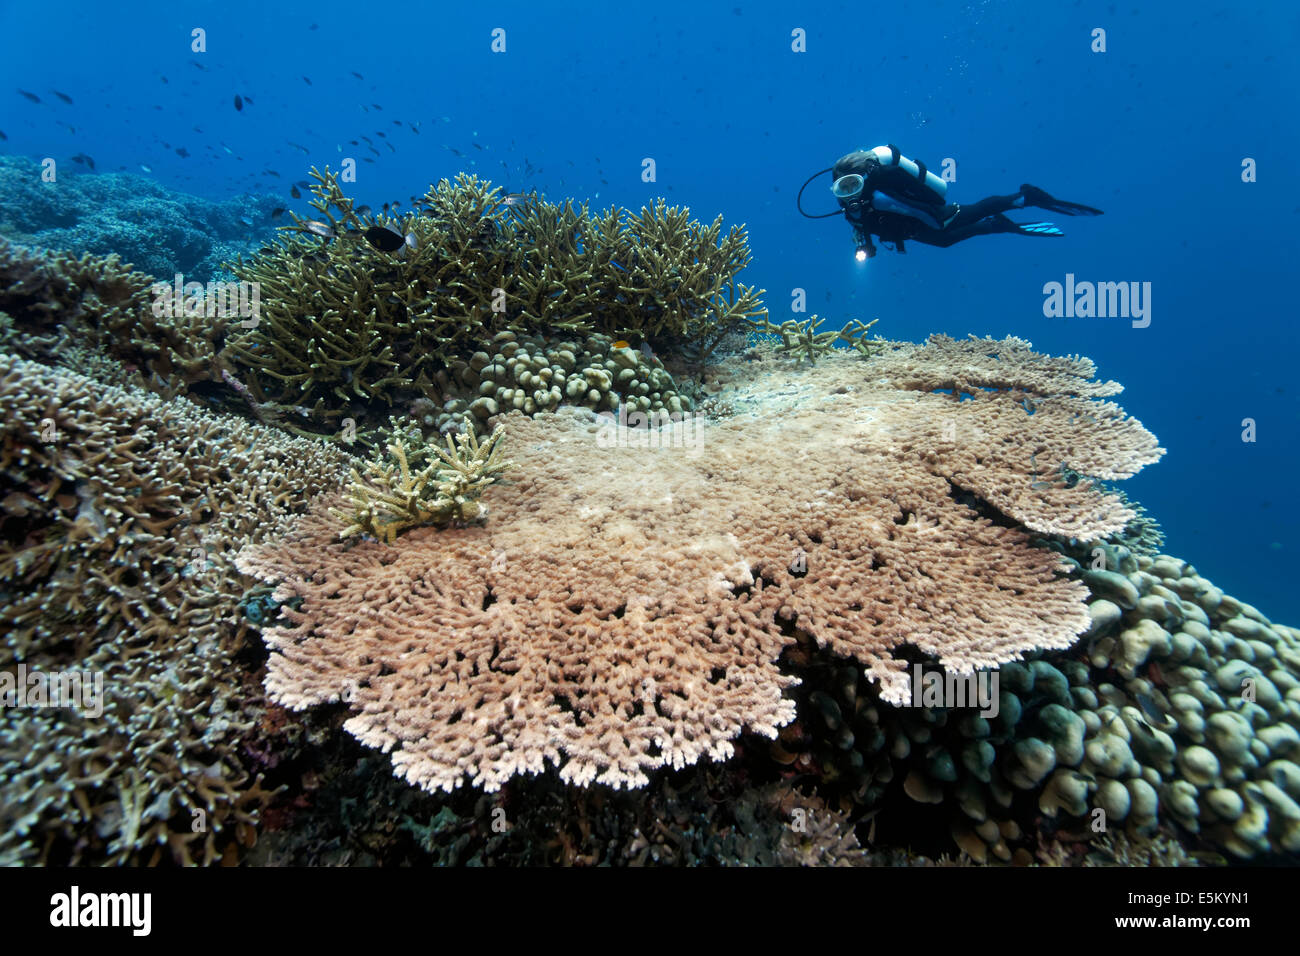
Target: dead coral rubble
(625, 607)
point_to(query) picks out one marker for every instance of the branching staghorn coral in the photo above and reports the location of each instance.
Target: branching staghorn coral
(392, 498)
(344, 321)
(802, 340)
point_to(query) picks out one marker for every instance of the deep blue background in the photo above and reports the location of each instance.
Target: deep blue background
(1154, 131)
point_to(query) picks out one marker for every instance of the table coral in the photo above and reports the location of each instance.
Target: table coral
(625, 608)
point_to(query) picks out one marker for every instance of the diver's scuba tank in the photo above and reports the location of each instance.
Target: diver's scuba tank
(890, 156)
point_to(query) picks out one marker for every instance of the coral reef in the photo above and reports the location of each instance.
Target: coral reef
(802, 340)
(364, 310)
(534, 375)
(392, 498)
(350, 810)
(122, 514)
(1159, 717)
(162, 231)
(96, 314)
(626, 606)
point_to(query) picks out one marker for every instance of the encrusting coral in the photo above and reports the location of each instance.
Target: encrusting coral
(121, 516)
(626, 605)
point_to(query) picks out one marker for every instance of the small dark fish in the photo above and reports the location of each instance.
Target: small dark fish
(248, 99)
(377, 106)
(293, 191)
(84, 160)
(362, 211)
(31, 96)
(271, 172)
(415, 128)
(453, 149)
(239, 102)
(63, 96)
(391, 146)
(381, 134)
(357, 75)
(367, 159)
(384, 239)
(397, 122)
(476, 145)
(375, 151)
(385, 207)
(368, 139)
(354, 142)
(196, 63)
(277, 212)
(163, 78)
(182, 152)
(316, 227)
(197, 130)
(307, 81)
(298, 146)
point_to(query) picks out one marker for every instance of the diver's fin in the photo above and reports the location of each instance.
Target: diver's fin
(1038, 198)
(1038, 229)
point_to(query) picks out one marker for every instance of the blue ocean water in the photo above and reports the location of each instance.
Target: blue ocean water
(1155, 130)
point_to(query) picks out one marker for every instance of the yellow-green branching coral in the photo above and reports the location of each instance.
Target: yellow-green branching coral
(393, 496)
(802, 340)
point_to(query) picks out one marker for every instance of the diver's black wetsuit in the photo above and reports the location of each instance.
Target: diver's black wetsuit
(948, 223)
(981, 218)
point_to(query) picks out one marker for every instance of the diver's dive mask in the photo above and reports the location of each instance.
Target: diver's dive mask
(848, 187)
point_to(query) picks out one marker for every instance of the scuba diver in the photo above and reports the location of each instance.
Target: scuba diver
(883, 193)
